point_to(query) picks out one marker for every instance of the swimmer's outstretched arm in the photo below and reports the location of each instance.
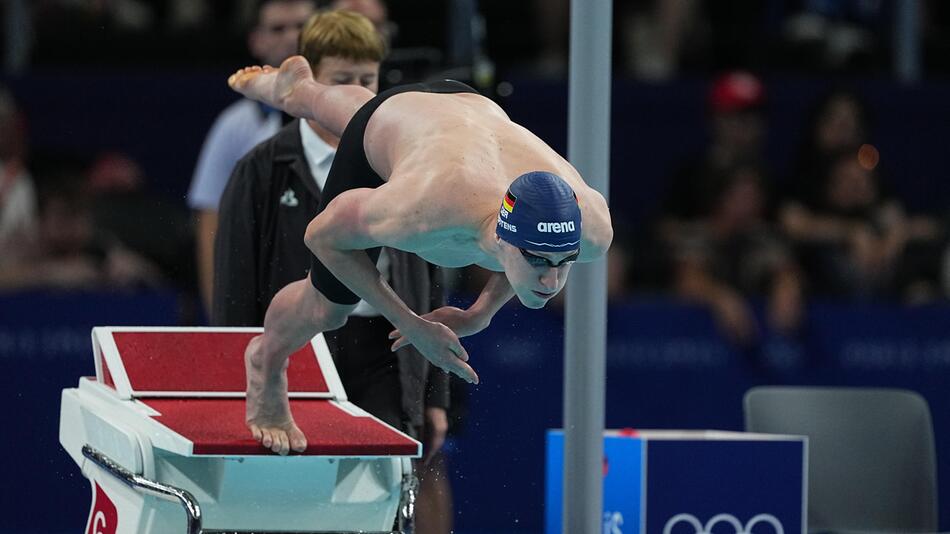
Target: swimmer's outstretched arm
(354, 221)
(494, 295)
(472, 320)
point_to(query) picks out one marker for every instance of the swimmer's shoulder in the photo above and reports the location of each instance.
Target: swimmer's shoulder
(597, 232)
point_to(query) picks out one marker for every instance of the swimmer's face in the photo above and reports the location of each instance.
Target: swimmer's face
(274, 39)
(536, 276)
(333, 70)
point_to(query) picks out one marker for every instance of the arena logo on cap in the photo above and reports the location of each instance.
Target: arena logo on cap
(556, 227)
(699, 528)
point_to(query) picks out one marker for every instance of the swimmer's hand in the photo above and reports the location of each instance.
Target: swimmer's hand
(462, 322)
(441, 347)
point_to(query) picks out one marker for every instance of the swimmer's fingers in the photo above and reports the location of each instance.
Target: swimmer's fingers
(459, 351)
(401, 340)
(399, 343)
(465, 371)
(456, 363)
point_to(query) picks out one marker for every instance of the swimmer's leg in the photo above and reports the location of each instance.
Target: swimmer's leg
(297, 313)
(292, 89)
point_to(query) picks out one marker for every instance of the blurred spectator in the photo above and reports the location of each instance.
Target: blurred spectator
(17, 195)
(240, 127)
(855, 239)
(114, 172)
(653, 35)
(374, 10)
(737, 133)
(123, 208)
(732, 253)
(839, 120)
(618, 269)
(838, 35)
(552, 20)
(69, 252)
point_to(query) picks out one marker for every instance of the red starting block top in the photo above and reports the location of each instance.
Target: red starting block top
(200, 362)
(193, 379)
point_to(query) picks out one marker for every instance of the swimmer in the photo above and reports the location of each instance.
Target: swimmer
(433, 169)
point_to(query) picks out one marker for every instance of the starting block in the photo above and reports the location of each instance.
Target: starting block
(160, 434)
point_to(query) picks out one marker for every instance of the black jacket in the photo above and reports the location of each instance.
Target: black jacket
(259, 248)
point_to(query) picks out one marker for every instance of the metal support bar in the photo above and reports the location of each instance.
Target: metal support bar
(407, 502)
(150, 487)
(193, 509)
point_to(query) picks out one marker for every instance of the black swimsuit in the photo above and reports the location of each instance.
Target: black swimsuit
(351, 170)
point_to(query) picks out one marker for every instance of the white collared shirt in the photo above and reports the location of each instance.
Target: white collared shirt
(319, 157)
(319, 154)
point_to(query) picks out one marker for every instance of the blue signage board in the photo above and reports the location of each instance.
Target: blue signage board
(622, 469)
(692, 482)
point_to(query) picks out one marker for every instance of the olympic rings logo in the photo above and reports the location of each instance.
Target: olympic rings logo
(723, 518)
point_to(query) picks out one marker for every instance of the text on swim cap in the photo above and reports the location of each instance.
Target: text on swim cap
(556, 227)
(507, 226)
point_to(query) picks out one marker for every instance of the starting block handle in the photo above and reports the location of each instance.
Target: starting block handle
(144, 485)
(407, 501)
(193, 509)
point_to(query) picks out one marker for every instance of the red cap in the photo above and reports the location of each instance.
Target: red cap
(736, 91)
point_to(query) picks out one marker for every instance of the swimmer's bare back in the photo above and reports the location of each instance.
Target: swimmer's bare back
(447, 158)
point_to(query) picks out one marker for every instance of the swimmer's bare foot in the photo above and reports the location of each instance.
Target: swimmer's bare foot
(276, 87)
(268, 407)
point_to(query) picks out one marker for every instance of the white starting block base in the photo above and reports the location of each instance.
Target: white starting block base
(151, 472)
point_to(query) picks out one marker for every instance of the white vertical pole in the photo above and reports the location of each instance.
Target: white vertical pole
(588, 149)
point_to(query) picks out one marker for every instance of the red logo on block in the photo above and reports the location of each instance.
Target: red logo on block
(104, 518)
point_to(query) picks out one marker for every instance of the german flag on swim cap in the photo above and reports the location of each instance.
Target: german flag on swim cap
(509, 202)
(548, 217)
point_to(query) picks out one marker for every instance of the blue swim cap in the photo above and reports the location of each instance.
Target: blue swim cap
(540, 212)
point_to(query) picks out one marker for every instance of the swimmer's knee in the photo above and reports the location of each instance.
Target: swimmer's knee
(314, 236)
(336, 321)
(331, 316)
